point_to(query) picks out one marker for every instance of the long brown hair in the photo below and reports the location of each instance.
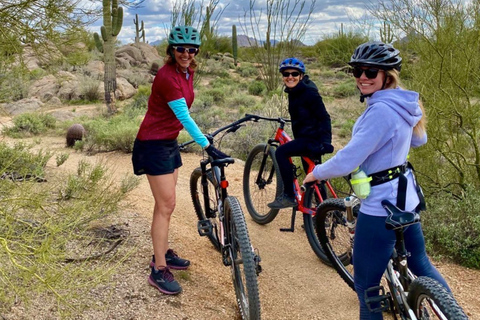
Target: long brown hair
(393, 81)
(169, 58)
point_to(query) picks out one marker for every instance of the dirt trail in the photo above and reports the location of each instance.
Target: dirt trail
(294, 284)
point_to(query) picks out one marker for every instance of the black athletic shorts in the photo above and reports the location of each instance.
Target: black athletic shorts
(155, 157)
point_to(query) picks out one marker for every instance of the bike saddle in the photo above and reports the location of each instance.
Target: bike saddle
(398, 218)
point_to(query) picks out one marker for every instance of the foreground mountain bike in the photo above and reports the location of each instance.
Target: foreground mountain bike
(408, 296)
(221, 219)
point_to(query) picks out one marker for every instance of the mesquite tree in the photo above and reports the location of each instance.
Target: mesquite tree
(283, 25)
(112, 24)
(441, 53)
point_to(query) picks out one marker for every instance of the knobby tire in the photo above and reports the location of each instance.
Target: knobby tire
(259, 193)
(243, 265)
(425, 290)
(334, 237)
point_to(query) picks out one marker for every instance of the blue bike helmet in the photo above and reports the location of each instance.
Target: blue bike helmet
(376, 54)
(292, 63)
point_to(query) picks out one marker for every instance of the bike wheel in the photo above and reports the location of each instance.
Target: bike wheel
(311, 200)
(334, 236)
(243, 265)
(262, 183)
(196, 191)
(430, 300)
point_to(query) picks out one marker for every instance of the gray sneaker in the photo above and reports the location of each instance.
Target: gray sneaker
(164, 281)
(283, 201)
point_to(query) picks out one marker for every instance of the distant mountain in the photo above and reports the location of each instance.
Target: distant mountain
(156, 42)
(246, 41)
(242, 40)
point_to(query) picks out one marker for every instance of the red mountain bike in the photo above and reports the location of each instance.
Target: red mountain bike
(262, 183)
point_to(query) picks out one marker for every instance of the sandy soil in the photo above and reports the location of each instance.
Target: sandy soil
(294, 283)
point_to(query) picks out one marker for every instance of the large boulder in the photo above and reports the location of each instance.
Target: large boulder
(23, 106)
(45, 86)
(137, 55)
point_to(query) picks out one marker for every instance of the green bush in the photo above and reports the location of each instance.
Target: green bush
(452, 227)
(345, 89)
(115, 133)
(336, 50)
(257, 88)
(20, 162)
(247, 70)
(217, 94)
(46, 232)
(27, 124)
(140, 99)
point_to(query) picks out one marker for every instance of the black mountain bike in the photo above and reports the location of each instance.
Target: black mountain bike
(408, 297)
(221, 219)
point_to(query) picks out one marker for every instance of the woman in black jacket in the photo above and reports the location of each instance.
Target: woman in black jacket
(311, 126)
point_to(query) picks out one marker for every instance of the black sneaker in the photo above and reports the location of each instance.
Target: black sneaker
(283, 201)
(173, 261)
(164, 281)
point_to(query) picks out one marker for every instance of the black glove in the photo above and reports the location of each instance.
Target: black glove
(215, 153)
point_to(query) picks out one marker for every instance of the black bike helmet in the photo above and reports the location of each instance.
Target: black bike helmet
(376, 54)
(292, 63)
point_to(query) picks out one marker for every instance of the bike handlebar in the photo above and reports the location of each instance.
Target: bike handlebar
(232, 128)
(280, 120)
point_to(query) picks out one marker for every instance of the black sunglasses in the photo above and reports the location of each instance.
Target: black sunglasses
(369, 73)
(293, 74)
(183, 49)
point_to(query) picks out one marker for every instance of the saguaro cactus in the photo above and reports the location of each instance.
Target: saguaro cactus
(112, 24)
(386, 34)
(139, 31)
(234, 45)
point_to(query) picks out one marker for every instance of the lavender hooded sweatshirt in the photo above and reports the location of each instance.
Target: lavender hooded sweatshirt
(381, 139)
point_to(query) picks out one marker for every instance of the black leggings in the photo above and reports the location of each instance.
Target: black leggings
(295, 148)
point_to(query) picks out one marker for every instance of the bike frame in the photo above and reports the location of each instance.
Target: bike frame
(281, 137)
(218, 170)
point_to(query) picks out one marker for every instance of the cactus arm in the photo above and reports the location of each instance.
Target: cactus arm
(103, 32)
(98, 42)
(117, 21)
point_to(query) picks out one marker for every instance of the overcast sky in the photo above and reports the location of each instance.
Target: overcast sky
(156, 15)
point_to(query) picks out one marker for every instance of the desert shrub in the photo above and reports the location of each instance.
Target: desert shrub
(111, 134)
(238, 100)
(42, 229)
(336, 49)
(345, 89)
(247, 70)
(223, 82)
(37, 73)
(18, 160)
(257, 88)
(89, 89)
(217, 94)
(14, 84)
(27, 124)
(452, 227)
(140, 99)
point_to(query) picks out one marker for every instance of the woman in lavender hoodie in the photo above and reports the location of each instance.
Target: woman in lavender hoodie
(392, 122)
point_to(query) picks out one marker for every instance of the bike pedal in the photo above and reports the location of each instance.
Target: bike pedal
(227, 260)
(204, 228)
(377, 303)
(257, 259)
